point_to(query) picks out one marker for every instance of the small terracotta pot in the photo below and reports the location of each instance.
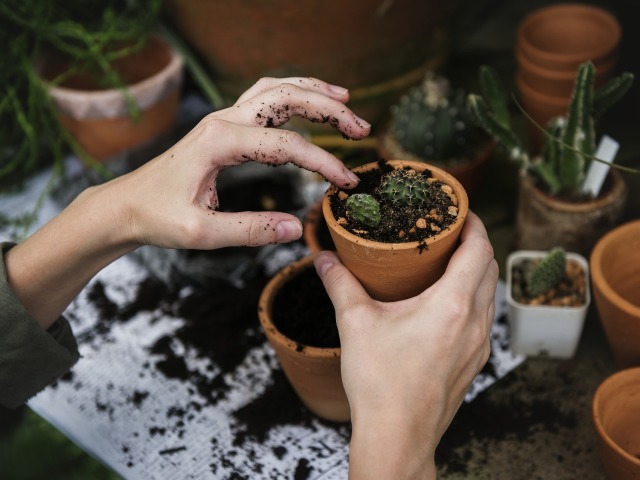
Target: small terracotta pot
(395, 271)
(315, 233)
(470, 173)
(544, 222)
(561, 37)
(615, 273)
(313, 372)
(99, 119)
(616, 415)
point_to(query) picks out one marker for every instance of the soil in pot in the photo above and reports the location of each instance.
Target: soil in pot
(303, 312)
(570, 292)
(399, 223)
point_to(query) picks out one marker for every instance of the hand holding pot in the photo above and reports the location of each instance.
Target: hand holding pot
(407, 365)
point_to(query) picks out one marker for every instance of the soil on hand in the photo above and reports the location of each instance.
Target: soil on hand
(570, 292)
(303, 312)
(398, 224)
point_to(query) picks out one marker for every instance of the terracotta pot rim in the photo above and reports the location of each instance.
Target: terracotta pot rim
(171, 69)
(598, 278)
(463, 208)
(564, 206)
(265, 305)
(516, 254)
(553, 11)
(559, 75)
(628, 372)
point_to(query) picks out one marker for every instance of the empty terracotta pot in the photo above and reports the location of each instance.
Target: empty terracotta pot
(313, 372)
(615, 274)
(561, 37)
(395, 271)
(616, 415)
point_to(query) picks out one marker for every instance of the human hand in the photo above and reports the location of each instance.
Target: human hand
(407, 365)
(171, 201)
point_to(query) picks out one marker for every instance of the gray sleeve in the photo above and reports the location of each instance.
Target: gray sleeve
(30, 357)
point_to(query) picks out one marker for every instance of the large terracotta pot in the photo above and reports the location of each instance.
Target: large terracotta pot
(313, 372)
(376, 50)
(395, 271)
(616, 415)
(99, 119)
(615, 271)
(544, 222)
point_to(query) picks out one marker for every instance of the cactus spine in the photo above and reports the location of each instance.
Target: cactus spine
(363, 208)
(569, 142)
(405, 187)
(547, 273)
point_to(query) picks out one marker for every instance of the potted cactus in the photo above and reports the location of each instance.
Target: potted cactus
(553, 207)
(431, 123)
(547, 301)
(398, 228)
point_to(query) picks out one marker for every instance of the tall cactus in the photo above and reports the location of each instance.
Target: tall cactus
(569, 141)
(548, 272)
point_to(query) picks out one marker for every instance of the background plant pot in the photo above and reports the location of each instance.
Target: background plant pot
(544, 222)
(99, 119)
(540, 329)
(375, 50)
(313, 372)
(616, 416)
(615, 273)
(395, 271)
(561, 37)
(315, 233)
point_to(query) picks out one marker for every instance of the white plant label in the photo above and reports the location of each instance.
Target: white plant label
(607, 150)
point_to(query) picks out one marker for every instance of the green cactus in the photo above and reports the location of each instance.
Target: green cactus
(569, 141)
(547, 273)
(363, 208)
(405, 187)
(432, 121)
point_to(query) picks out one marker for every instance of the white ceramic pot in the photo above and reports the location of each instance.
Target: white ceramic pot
(538, 330)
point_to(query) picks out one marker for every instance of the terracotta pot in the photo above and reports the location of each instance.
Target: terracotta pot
(615, 273)
(375, 50)
(544, 330)
(313, 372)
(315, 233)
(99, 119)
(395, 271)
(561, 37)
(470, 172)
(544, 222)
(616, 415)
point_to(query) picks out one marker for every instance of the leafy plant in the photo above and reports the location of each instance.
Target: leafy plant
(569, 144)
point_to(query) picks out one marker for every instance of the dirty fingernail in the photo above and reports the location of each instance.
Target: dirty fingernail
(362, 123)
(337, 89)
(288, 230)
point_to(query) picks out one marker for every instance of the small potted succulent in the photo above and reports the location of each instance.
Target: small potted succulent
(298, 320)
(431, 123)
(397, 230)
(547, 301)
(553, 207)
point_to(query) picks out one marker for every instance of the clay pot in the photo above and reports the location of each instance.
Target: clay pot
(544, 330)
(99, 119)
(313, 372)
(615, 273)
(561, 37)
(544, 222)
(376, 51)
(395, 271)
(616, 415)
(469, 172)
(315, 233)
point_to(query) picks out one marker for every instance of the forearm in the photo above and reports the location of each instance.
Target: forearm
(50, 268)
(384, 448)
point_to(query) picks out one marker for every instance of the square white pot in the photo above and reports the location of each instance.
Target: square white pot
(545, 330)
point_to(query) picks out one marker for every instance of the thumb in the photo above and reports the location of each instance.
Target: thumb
(254, 228)
(342, 287)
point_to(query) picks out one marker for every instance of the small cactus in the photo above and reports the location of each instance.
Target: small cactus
(432, 122)
(363, 208)
(547, 273)
(405, 187)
